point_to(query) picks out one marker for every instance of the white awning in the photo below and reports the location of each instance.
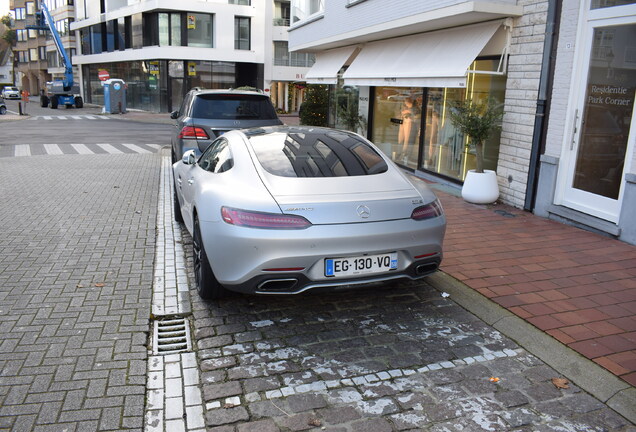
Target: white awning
(328, 63)
(435, 59)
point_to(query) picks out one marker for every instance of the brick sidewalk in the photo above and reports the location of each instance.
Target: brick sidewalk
(577, 286)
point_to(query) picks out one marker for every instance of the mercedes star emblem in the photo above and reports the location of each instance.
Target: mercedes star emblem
(363, 211)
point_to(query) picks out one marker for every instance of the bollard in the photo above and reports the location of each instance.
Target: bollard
(20, 108)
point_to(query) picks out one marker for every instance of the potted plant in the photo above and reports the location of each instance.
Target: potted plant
(477, 120)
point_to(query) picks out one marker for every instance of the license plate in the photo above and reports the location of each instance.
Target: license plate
(352, 266)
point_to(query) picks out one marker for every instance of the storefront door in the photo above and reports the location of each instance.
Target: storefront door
(604, 129)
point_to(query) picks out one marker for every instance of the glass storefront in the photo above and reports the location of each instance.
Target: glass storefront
(397, 123)
(159, 85)
(412, 125)
(146, 85)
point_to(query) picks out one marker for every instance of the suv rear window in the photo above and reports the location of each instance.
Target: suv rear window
(332, 154)
(233, 107)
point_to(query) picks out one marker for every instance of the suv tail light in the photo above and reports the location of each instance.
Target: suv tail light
(193, 132)
(263, 220)
(428, 211)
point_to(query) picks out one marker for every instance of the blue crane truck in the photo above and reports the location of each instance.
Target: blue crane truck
(65, 91)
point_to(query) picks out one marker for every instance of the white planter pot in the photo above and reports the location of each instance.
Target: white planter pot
(480, 188)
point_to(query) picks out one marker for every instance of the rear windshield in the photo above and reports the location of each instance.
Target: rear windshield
(233, 107)
(331, 154)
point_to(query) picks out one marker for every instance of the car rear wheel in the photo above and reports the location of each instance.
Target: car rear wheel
(54, 102)
(207, 285)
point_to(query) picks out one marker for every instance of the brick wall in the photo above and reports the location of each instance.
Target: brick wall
(524, 69)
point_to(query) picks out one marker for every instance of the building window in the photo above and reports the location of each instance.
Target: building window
(42, 52)
(52, 59)
(599, 4)
(21, 35)
(21, 56)
(19, 13)
(63, 26)
(241, 33)
(150, 29)
(96, 46)
(30, 8)
(33, 54)
(170, 29)
(164, 29)
(199, 30)
(282, 12)
(240, 2)
(282, 56)
(303, 9)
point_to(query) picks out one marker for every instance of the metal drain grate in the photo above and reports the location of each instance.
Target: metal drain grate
(171, 336)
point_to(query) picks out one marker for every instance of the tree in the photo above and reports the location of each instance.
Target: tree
(9, 36)
(313, 112)
(477, 120)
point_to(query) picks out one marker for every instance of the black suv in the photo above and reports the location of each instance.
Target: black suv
(204, 115)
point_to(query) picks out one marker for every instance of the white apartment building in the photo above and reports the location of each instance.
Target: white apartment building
(161, 48)
(406, 61)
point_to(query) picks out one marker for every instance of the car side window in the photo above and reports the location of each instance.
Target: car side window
(184, 105)
(217, 158)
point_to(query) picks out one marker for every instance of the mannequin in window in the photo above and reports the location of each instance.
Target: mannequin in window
(409, 127)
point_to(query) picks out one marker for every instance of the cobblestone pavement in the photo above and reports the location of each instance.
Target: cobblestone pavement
(402, 358)
(76, 271)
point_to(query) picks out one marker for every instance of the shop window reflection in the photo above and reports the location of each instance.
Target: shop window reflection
(397, 123)
(399, 132)
(445, 148)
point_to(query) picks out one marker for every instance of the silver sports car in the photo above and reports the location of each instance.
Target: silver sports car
(281, 210)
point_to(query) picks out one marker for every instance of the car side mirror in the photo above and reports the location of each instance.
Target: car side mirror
(189, 158)
(174, 115)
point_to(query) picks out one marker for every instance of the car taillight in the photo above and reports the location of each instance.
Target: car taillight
(428, 211)
(193, 132)
(263, 220)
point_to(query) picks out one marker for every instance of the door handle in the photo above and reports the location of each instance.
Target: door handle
(575, 129)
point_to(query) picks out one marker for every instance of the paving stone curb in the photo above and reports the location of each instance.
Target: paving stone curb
(173, 400)
(586, 374)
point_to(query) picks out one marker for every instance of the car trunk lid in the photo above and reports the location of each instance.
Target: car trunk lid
(337, 200)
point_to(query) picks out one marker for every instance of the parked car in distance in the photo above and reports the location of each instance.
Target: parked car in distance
(10, 92)
(205, 115)
(282, 210)
(3, 108)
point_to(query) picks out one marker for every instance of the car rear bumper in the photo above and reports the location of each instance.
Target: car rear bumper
(296, 283)
(250, 260)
